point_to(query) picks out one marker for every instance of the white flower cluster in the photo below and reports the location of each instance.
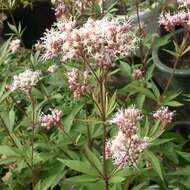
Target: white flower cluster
(104, 39)
(126, 147)
(25, 81)
(14, 45)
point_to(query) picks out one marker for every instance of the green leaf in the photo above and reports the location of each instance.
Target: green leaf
(140, 100)
(11, 120)
(162, 40)
(79, 166)
(186, 50)
(155, 163)
(116, 179)
(112, 104)
(155, 89)
(171, 95)
(82, 179)
(92, 157)
(170, 52)
(8, 151)
(160, 141)
(149, 72)
(68, 121)
(145, 91)
(139, 187)
(183, 172)
(7, 161)
(51, 179)
(173, 104)
(125, 69)
(184, 155)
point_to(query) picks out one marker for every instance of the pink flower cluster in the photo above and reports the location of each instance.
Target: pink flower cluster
(126, 152)
(126, 147)
(75, 85)
(180, 18)
(127, 120)
(52, 119)
(103, 39)
(164, 115)
(25, 81)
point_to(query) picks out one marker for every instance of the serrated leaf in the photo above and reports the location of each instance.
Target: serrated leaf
(92, 157)
(79, 166)
(68, 121)
(155, 163)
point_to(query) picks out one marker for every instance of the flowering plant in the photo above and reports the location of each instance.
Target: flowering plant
(65, 127)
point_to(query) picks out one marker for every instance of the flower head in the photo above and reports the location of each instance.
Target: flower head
(75, 85)
(25, 81)
(170, 20)
(125, 152)
(126, 120)
(14, 45)
(52, 119)
(164, 115)
(104, 40)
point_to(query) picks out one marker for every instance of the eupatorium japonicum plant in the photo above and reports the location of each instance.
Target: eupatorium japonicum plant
(68, 130)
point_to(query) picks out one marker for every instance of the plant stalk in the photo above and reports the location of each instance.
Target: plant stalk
(104, 138)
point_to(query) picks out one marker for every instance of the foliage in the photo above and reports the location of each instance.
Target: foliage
(69, 148)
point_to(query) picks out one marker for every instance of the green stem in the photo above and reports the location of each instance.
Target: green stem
(86, 109)
(104, 138)
(33, 136)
